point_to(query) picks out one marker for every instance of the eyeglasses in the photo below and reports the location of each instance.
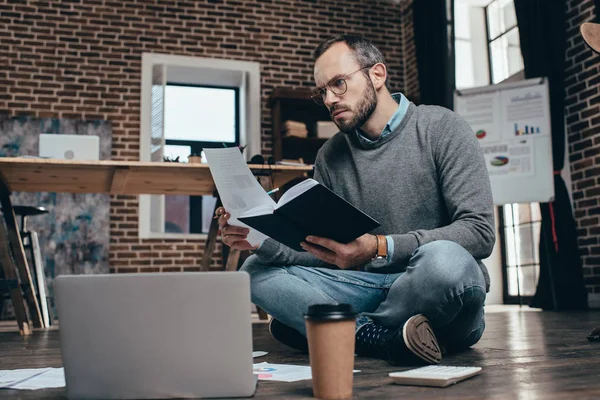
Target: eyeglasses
(336, 85)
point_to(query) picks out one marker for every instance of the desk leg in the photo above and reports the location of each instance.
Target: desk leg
(211, 239)
(19, 258)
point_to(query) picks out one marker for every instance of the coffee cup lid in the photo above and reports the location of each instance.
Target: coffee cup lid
(330, 312)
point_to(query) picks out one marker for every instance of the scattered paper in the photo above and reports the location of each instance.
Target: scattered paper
(31, 379)
(282, 372)
(46, 378)
(238, 188)
(259, 354)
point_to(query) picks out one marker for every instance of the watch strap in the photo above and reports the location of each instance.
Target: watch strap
(381, 246)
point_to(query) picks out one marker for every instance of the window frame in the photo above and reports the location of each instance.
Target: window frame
(519, 298)
(222, 72)
(490, 40)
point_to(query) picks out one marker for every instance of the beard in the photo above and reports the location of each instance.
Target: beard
(362, 111)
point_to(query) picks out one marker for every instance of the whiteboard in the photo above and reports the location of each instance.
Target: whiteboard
(512, 124)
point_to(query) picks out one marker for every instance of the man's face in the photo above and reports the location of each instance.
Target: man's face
(352, 109)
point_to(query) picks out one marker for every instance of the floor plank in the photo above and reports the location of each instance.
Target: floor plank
(524, 355)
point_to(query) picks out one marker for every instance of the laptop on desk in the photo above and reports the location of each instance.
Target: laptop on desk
(157, 335)
(69, 147)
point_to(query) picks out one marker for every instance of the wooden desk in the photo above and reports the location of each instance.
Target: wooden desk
(109, 177)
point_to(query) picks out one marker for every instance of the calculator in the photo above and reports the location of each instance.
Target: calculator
(434, 375)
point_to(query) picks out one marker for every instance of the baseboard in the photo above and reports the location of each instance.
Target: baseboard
(594, 300)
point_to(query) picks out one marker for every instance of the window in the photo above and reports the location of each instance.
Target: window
(470, 44)
(503, 40)
(487, 51)
(463, 47)
(520, 231)
(521, 228)
(187, 104)
(196, 117)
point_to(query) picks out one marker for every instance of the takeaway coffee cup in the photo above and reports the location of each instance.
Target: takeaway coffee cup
(330, 331)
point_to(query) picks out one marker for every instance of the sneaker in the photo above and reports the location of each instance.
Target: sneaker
(414, 344)
(418, 337)
(287, 335)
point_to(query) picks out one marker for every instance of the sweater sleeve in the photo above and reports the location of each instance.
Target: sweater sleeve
(465, 187)
(275, 253)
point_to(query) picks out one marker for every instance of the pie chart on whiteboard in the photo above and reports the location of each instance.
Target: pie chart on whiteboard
(499, 161)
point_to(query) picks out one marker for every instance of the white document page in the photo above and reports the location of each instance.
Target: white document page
(296, 191)
(283, 372)
(238, 188)
(37, 378)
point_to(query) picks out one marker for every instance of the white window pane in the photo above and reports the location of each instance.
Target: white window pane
(524, 213)
(509, 16)
(536, 214)
(172, 152)
(499, 67)
(523, 278)
(515, 58)
(525, 241)
(464, 65)
(462, 25)
(506, 56)
(537, 230)
(200, 114)
(493, 17)
(508, 215)
(511, 247)
(515, 213)
(501, 17)
(514, 278)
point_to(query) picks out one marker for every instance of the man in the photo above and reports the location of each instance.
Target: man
(420, 173)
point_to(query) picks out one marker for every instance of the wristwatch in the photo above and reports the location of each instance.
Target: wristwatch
(380, 258)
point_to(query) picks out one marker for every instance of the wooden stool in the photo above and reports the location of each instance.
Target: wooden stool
(15, 277)
(31, 243)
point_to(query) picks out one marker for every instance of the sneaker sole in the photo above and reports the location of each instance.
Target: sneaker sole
(420, 339)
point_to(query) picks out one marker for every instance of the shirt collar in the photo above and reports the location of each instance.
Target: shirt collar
(392, 124)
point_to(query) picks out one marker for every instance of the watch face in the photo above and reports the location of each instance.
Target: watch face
(379, 262)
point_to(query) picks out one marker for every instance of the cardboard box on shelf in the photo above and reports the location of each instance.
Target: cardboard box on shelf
(326, 129)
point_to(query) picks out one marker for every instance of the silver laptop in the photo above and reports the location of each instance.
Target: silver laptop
(156, 335)
(70, 147)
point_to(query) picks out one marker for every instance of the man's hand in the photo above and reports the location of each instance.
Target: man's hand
(232, 236)
(346, 256)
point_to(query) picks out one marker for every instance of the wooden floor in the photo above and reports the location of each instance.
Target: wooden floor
(524, 355)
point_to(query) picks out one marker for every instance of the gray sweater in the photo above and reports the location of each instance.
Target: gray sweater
(423, 182)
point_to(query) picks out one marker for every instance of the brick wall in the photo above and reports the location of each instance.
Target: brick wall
(409, 53)
(582, 79)
(82, 59)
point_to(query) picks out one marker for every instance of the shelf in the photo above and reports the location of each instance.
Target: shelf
(305, 148)
(302, 139)
(296, 105)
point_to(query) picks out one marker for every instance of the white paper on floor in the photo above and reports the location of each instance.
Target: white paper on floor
(36, 378)
(283, 372)
(259, 354)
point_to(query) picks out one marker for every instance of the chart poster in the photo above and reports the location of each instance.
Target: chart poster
(514, 159)
(482, 112)
(526, 112)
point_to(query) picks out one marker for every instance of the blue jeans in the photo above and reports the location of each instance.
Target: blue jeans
(442, 281)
